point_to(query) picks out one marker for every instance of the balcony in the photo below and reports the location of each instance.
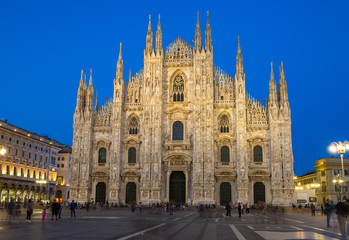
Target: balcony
(224, 165)
(175, 145)
(257, 165)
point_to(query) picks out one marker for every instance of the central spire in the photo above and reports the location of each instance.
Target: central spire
(197, 35)
(119, 65)
(149, 43)
(239, 65)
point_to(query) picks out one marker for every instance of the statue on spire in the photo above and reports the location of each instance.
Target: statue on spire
(197, 35)
(158, 46)
(208, 38)
(149, 40)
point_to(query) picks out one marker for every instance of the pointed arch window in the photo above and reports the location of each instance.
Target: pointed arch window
(14, 171)
(102, 155)
(21, 172)
(132, 153)
(39, 175)
(7, 170)
(225, 155)
(177, 131)
(224, 124)
(178, 89)
(33, 174)
(257, 154)
(28, 173)
(133, 126)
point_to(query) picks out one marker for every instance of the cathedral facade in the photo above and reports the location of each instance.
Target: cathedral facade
(182, 131)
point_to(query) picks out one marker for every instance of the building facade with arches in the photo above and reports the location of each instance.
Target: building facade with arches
(28, 169)
(182, 131)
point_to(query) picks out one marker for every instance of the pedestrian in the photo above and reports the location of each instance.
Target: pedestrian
(239, 209)
(72, 208)
(322, 209)
(312, 207)
(11, 209)
(247, 208)
(30, 207)
(87, 206)
(43, 214)
(327, 212)
(228, 209)
(171, 209)
(54, 209)
(341, 212)
(60, 210)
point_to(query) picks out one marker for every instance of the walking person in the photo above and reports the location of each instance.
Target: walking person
(54, 209)
(341, 212)
(30, 207)
(247, 208)
(228, 209)
(60, 210)
(312, 207)
(322, 209)
(239, 209)
(72, 209)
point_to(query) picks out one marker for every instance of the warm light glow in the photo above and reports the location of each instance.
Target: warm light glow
(15, 130)
(340, 181)
(53, 170)
(2, 151)
(28, 135)
(315, 185)
(333, 148)
(41, 181)
(294, 177)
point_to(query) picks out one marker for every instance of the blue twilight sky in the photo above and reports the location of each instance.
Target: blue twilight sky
(45, 44)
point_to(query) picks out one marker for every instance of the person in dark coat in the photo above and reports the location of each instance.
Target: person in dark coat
(228, 209)
(55, 208)
(341, 212)
(239, 209)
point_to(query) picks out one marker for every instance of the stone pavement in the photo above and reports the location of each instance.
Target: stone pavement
(123, 224)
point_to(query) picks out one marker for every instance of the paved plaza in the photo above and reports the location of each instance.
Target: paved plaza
(184, 224)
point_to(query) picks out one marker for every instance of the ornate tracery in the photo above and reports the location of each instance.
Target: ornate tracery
(133, 126)
(178, 89)
(224, 124)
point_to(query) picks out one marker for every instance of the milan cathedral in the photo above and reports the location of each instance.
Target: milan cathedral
(182, 131)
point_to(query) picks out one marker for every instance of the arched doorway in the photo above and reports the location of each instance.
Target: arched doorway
(100, 192)
(259, 192)
(225, 193)
(59, 196)
(177, 187)
(131, 193)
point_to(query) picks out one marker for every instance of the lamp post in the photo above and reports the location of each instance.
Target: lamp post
(340, 181)
(340, 147)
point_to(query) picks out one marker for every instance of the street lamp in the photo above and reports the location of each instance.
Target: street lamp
(340, 149)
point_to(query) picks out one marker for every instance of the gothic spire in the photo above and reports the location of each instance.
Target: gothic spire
(197, 35)
(208, 38)
(90, 81)
(239, 65)
(81, 79)
(158, 46)
(149, 43)
(283, 94)
(120, 65)
(96, 105)
(272, 88)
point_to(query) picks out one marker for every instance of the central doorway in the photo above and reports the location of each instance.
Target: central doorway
(177, 187)
(225, 193)
(259, 192)
(100, 192)
(131, 193)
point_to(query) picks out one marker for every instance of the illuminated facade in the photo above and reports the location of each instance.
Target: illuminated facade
(182, 131)
(28, 169)
(63, 172)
